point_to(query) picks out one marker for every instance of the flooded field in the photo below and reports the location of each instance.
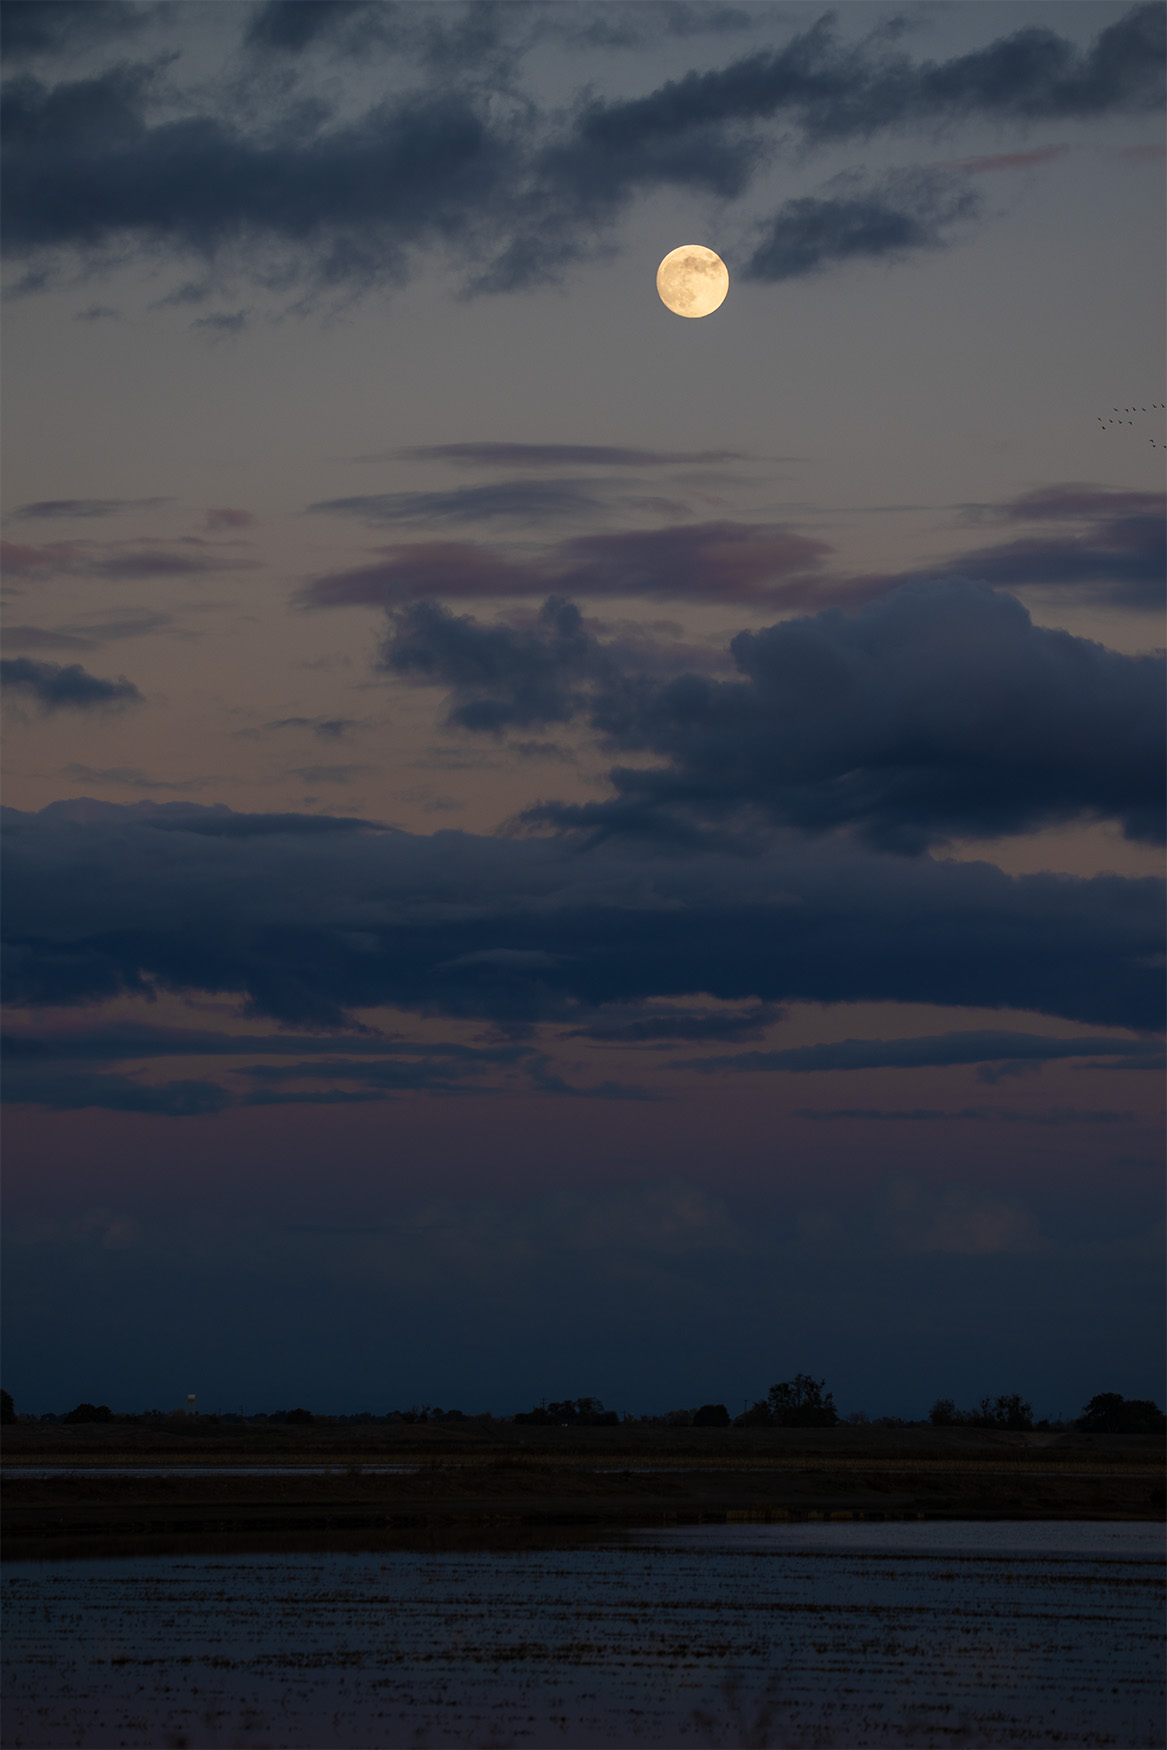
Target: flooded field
(851, 1635)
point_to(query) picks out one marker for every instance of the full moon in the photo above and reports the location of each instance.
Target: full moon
(692, 280)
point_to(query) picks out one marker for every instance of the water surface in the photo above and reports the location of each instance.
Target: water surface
(918, 1633)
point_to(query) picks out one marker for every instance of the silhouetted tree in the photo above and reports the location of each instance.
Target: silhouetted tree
(800, 1403)
(89, 1413)
(944, 1414)
(7, 1407)
(1111, 1413)
(711, 1416)
(572, 1412)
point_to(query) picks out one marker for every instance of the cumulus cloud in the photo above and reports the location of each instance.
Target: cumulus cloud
(513, 195)
(940, 713)
(57, 687)
(502, 677)
(309, 918)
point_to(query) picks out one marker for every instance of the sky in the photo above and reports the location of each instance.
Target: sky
(554, 849)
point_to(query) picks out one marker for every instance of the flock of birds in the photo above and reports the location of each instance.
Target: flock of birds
(1155, 407)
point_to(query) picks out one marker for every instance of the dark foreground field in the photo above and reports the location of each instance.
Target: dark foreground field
(493, 1478)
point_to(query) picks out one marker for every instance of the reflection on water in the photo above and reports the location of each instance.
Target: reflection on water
(850, 1635)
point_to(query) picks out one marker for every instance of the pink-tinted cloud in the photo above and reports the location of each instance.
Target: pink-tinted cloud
(21, 560)
(1075, 502)
(1008, 160)
(705, 561)
(135, 560)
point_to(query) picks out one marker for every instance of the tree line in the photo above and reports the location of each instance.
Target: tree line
(801, 1402)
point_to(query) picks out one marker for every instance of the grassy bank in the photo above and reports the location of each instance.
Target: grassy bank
(510, 1480)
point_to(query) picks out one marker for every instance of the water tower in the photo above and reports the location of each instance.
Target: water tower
(191, 1404)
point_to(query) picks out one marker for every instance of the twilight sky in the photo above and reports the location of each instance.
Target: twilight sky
(554, 849)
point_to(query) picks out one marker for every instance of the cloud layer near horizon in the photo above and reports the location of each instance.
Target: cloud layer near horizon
(307, 918)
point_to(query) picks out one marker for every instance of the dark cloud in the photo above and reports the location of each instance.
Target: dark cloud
(546, 1080)
(647, 1025)
(323, 728)
(43, 638)
(70, 687)
(940, 713)
(337, 774)
(131, 778)
(49, 27)
(1056, 1115)
(523, 501)
(378, 1066)
(908, 211)
(85, 637)
(454, 37)
(1111, 548)
(132, 562)
(92, 165)
(308, 919)
(500, 455)
(76, 1091)
(224, 322)
(84, 167)
(132, 1041)
(291, 26)
(53, 508)
(940, 1050)
(502, 677)
(829, 91)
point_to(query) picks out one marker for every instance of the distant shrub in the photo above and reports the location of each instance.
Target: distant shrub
(759, 1415)
(297, 1416)
(1111, 1413)
(1009, 1411)
(711, 1416)
(569, 1412)
(89, 1413)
